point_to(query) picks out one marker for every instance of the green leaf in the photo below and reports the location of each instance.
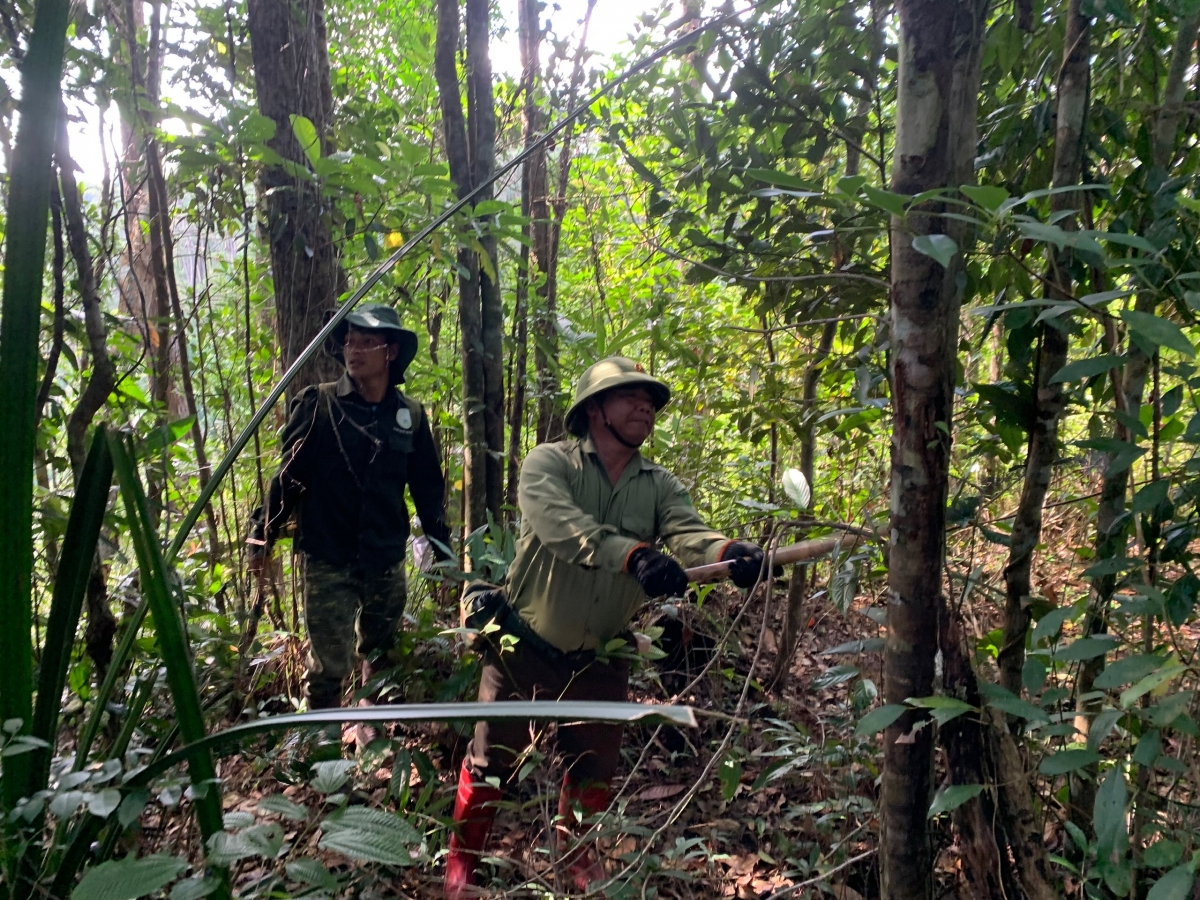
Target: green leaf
(780, 179)
(1007, 702)
(105, 803)
(990, 197)
(260, 840)
(940, 247)
(128, 878)
(331, 775)
(1108, 816)
(834, 676)
(1087, 368)
(943, 709)
(1087, 648)
(952, 797)
(1127, 670)
(1163, 854)
(1049, 624)
(1149, 683)
(886, 200)
(880, 718)
(1175, 885)
(312, 872)
(370, 835)
(194, 888)
(306, 135)
(730, 775)
(1068, 761)
(1159, 331)
(282, 806)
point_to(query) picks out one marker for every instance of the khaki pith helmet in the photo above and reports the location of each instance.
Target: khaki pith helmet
(613, 372)
(385, 321)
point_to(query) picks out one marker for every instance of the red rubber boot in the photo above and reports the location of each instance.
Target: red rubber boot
(583, 866)
(473, 815)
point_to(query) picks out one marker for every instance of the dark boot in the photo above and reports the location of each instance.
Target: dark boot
(583, 866)
(474, 811)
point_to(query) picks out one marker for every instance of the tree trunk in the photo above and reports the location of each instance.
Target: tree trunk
(550, 424)
(480, 312)
(1052, 354)
(291, 78)
(1128, 389)
(939, 57)
(533, 187)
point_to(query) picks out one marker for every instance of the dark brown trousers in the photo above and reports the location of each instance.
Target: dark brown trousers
(591, 750)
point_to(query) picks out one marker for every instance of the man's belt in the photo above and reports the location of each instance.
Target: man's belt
(489, 605)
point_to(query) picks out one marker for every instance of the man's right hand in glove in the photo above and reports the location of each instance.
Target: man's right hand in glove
(659, 575)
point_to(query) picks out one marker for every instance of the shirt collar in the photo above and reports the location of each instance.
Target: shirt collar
(345, 389)
(588, 446)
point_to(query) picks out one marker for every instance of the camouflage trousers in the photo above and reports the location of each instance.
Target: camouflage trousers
(347, 612)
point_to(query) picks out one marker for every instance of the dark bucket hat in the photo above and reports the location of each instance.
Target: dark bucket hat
(385, 321)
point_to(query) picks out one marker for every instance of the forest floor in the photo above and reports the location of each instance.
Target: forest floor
(779, 791)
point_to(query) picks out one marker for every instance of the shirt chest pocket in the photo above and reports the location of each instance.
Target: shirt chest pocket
(400, 441)
(638, 523)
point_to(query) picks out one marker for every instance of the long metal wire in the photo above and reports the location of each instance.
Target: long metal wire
(231, 455)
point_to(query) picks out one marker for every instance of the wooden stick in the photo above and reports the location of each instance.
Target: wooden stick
(801, 551)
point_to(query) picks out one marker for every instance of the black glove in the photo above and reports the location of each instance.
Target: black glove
(745, 563)
(659, 575)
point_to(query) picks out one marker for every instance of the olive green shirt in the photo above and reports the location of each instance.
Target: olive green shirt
(568, 580)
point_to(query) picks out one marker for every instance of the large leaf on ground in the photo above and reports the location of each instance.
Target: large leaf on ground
(128, 878)
(371, 835)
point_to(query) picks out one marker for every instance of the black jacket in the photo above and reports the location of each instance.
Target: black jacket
(345, 465)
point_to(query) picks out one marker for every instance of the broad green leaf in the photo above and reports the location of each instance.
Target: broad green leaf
(331, 775)
(1007, 702)
(128, 878)
(282, 806)
(1149, 683)
(1159, 331)
(1163, 854)
(105, 803)
(730, 775)
(306, 135)
(990, 197)
(880, 718)
(1049, 624)
(795, 485)
(1068, 761)
(1087, 648)
(886, 200)
(194, 888)
(834, 676)
(1087, 368)
(940, 247)
(312, 872)
(370, 835)
(952, 797)
(1108, 815)
(943, 709)
(260, 840)
(1175, 885)
(1127, 670)
(780, 179)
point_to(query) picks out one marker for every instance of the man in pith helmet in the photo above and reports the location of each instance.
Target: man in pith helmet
(592, 510)
(349, 449)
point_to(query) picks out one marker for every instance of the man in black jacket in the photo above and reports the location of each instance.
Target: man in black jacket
(349, 449)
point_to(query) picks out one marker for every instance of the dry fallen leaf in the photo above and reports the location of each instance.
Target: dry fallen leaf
(660, 791)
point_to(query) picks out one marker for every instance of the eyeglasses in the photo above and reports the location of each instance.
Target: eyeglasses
(357, 348)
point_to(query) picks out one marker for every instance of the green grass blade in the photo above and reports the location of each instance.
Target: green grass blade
(116, 666)
(172, 639)
(20, 322)
(70, 584)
